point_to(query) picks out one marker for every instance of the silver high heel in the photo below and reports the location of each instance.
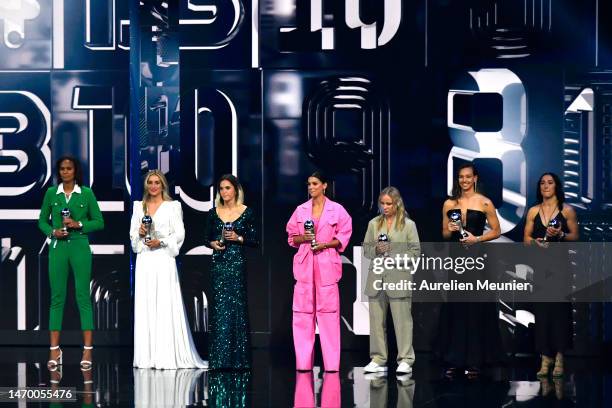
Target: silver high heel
(52, 364)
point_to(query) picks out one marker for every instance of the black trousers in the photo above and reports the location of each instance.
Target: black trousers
(553, 328)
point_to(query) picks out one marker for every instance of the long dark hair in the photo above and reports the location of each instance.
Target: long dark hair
(559, 193)
(456, 192)
(78, 170)
(321, 176)
(233, 180)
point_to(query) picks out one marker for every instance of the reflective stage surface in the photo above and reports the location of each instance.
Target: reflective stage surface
(273, 383)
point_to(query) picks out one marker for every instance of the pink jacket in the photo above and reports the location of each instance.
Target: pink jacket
(335, 223)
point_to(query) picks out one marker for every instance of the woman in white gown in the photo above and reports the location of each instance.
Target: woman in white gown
(162, 338)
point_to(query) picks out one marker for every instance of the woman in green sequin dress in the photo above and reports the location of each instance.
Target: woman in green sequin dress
(229, 389)
(229, 322)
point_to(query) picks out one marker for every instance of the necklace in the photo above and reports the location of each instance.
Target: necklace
(231, 213)
(547, 219)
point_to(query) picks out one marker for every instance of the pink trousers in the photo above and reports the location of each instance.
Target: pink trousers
(312, 303)
(304, 396)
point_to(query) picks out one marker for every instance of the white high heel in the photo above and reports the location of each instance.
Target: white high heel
(86, 364)
(83, 370)
(59, 371)
(52, 364)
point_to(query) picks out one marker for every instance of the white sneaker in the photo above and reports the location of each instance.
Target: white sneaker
(374, 368)
(375, 376)
(404, 378)
(404, 368)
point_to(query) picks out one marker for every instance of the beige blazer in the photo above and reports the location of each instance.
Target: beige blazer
(405, 241)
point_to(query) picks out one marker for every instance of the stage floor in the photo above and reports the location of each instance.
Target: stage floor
(274, 383)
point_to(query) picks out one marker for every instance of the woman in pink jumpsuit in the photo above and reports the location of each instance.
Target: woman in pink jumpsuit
(317, 270)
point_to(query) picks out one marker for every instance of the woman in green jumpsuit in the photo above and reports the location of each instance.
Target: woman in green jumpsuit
(69, 248)
(228, 343)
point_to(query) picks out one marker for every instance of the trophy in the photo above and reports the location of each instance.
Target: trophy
(228, 226)
(384, 238)
(65, 215)
(554, 223)
(309, 228)
(455, 217)
(147, 221)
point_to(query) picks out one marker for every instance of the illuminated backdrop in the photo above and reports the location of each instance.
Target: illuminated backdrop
(374, 93)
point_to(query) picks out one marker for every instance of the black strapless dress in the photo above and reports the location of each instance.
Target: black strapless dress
(553, 321)
(468, 333)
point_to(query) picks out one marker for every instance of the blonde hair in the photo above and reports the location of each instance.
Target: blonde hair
(233, 180)
(165, 189)
(398, 203)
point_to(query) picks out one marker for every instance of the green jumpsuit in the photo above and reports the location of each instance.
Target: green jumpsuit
(73, 251)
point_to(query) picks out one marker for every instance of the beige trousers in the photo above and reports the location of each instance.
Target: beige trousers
(402, 321)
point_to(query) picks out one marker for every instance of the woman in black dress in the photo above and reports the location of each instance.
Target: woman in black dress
(553, 321)
(468, 336)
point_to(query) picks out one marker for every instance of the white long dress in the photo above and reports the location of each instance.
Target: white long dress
(162, 338)
(168, 388)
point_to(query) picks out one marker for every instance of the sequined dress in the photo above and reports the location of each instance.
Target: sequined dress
(229, 389)
(228, 343)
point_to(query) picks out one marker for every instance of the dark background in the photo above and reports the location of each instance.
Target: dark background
(237, 92)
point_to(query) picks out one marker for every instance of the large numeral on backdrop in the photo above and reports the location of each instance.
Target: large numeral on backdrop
(209, 148)
(25, 131)
(202, 23)
(311, 33)
(487, 119)
(344, 103)
(338, 104)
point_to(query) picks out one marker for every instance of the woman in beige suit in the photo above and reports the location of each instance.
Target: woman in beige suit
(389, 234)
